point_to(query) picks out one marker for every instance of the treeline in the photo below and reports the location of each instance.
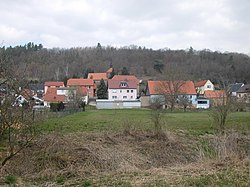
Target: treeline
(37, 63)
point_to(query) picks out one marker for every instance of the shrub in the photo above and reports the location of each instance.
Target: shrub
(10, 179)
(60, 180)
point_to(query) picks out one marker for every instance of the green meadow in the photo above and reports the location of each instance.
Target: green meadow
(92, 120)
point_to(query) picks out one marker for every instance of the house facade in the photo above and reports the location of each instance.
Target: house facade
(243, 94)
(97, 77)
(129, 77)
(216, 97)
(122, 90)
(51, 96)
(85, 87)
(52, 84)
(159, 90)
(203, 86)
(203, 103)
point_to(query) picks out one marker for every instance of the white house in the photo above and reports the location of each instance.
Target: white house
(122, 90)
(204, 85)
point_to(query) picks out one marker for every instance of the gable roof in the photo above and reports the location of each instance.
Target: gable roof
(244, 89)
(97, 76)
(116, 84)
(235, 87)
(109, 70)
(52, 83)
(80, 82)
(51, 96)
(200, 83)
(214, 94)
(166, 87)
(126, 77)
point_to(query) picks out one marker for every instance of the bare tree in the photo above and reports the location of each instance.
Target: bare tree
(16, 127)
(184, 101)
(171, 88)
(157, 117)
(221, 109)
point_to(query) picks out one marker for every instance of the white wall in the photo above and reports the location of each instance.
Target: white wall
(120, 94)
(110, 104)
(208, 86)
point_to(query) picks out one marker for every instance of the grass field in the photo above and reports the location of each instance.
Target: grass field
(91, 148)
(140, 119)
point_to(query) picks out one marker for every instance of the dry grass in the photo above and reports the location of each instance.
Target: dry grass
(126, 159)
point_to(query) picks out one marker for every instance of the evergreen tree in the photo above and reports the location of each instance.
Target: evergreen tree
(102, 90)
(125, 71)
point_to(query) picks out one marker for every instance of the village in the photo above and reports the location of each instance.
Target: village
(127, 91)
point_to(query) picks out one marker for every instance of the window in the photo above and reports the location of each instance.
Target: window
(120, 91)
(190, 96)
(131, 97)
(123, 84)
(208, 86)
(113, 91)
(114, 97)
(124, 97)
(132, 91)
(127, 91)
(202, 102)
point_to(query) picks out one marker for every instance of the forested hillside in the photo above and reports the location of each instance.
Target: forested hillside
(40, 64)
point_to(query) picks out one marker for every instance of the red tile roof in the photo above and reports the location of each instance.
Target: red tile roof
(80, 82)
(167, 87)
(109, 70)
(53, 83)
(124, 77)
(51, 96)
(97, 76)
(116, 84)
(200, 83)
(214, 93)
(26, 93)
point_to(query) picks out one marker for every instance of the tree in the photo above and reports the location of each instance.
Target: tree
(184, 101)
(16, 122)
(170, 91)
(171, 88)
(87, 71)
(125, 71)
(102, 90)
(112, 74)
(221, 109)
(158, 66)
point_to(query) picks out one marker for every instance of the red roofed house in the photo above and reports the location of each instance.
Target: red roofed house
(128, 77)
(122, 89)
(51, 96)
(85, 87)
(203, 85)
(108, 72)
(97, 77)
(52, 85)
(216, 96)
(158, 89)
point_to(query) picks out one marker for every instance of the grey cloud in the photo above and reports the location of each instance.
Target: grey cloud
(218, 24)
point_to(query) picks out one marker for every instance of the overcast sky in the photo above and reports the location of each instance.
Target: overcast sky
(222, 25)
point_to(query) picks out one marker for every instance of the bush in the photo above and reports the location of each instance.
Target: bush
(60, 180)
(86, 183)
(57, 106)
(10, 179)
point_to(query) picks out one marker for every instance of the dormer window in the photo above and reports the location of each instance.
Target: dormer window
(124, 84)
